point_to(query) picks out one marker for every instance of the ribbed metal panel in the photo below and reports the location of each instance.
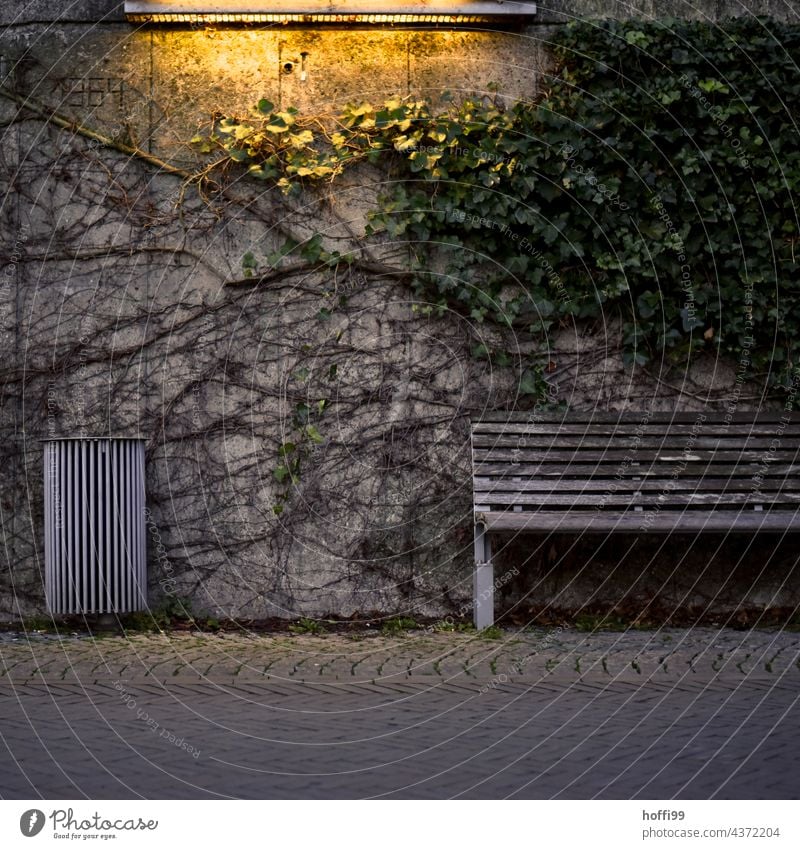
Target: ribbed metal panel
(94, 526)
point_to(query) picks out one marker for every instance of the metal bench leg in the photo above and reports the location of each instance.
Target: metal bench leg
(483, 586)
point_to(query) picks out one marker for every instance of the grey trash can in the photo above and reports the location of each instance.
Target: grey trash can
(94, 525)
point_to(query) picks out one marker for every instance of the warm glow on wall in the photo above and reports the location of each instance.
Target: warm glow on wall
(370, 12)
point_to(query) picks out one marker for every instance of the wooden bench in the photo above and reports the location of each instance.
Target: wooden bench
(634, 473)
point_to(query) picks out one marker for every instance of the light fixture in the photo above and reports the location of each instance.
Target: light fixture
(450, 13)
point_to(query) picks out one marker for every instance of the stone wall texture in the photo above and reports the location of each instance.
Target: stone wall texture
(124, 312)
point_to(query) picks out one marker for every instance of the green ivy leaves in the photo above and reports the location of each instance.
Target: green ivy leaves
(657, 180)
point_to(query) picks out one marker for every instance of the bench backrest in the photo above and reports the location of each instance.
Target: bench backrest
(677, 469)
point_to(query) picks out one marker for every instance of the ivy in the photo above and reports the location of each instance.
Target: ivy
(294, 452)
(655, 181)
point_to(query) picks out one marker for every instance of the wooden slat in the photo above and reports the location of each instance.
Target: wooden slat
(636, 417)
(612, 455)
(608, 470)
(664, 499)
(492, 441)
(664, 521)
(628, 431)
(562, 484)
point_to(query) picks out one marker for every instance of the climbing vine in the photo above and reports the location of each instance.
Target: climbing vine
(654, 181)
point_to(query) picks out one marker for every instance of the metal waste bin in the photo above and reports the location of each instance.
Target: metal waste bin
(94, 525)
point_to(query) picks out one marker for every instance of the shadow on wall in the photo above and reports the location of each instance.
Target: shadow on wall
(735, 579)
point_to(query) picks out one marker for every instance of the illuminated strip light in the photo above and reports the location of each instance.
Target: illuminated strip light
(450, 12)
(309, 17)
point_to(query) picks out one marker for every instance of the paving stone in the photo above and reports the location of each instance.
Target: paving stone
(550, 728)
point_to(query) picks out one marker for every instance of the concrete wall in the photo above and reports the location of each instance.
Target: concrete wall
(119, 315)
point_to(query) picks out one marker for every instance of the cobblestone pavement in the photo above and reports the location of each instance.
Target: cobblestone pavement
(548, 714)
